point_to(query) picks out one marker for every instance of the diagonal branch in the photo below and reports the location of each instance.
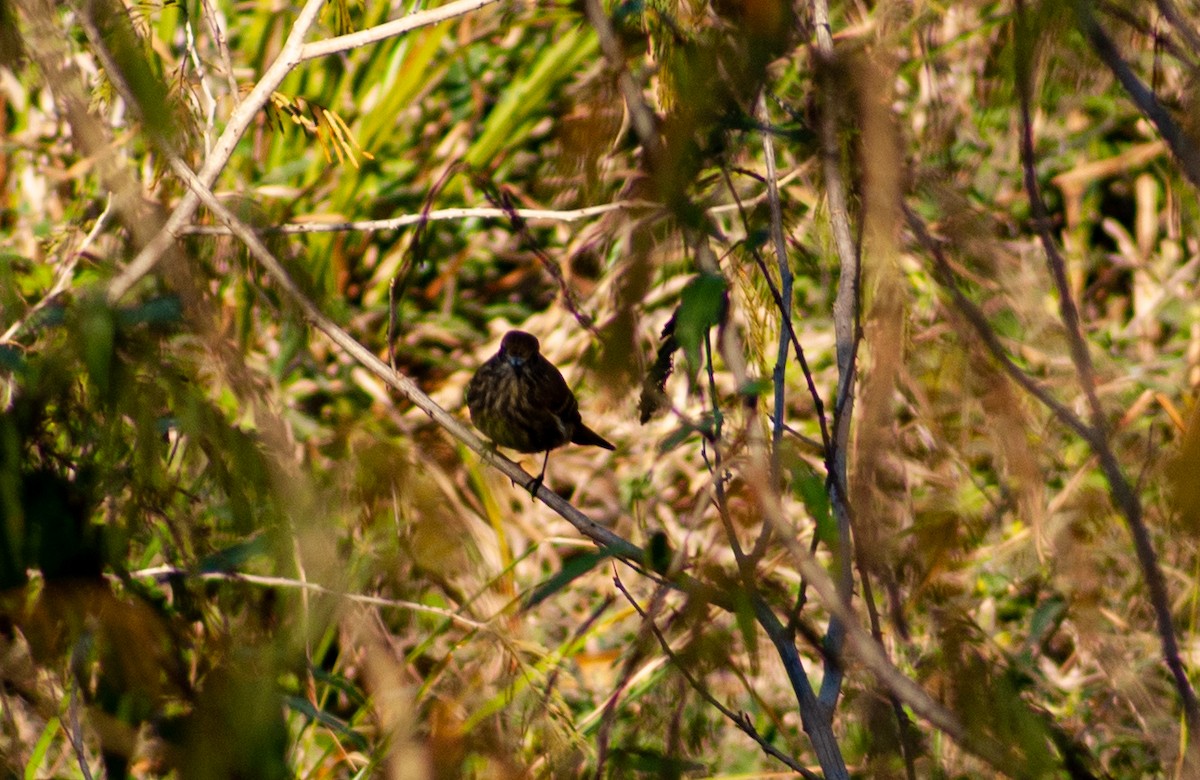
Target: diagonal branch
(1122, 493)
(738, 719)
(785, 296)
(391, 29)
(1184, 147)
(1055, 262)
(243, 115)
(1123, 496)
(863, 646)
(294, 52)
(1171, 14)
(983, 330)
(402, 384)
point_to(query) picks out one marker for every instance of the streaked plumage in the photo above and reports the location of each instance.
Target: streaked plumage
(519, 400)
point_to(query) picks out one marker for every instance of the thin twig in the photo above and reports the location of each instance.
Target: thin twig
(578, 637)
(63, 280)
(413, 259)
(74, 731)
(738, 719)
(164, 572)
(402, 384)
(1171, 14)
(867, 651)
(434, 215)
(215, 162)
(983, 330)
(1121, 492)
(816, 717)
(501, 198)
(785, 297)
(634, 655)
(845, 326)
(293, 52)
(214, 19)
(1055, 262)
(716, 469)
(210, 102)
(391, 29)
(1186, 152)
(818, 405)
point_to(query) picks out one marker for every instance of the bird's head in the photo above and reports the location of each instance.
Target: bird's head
(517, 347)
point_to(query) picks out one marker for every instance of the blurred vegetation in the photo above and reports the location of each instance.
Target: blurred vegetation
(227, 550)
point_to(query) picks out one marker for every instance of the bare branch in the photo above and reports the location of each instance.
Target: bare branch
(785, 293)
(163, 572)
(979, 323)
(845, 325)
(391, 29)
(214, 163)
(738, 719)
(436, 215)
(75, 732)
(1055, 262)
(1171, 14)
(402, 384)
(1184, 148)
(1122, 493)
(823, 447)
(864, 648)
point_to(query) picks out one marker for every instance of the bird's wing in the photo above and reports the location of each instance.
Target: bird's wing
(553, 394)
(472, 396)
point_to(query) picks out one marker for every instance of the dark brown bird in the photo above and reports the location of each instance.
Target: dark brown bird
(519, 400)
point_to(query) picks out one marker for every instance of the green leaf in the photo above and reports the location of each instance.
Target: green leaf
(331, 722)
(11, 359)
(705, 426)
(97, 329)
(517, 110)
(342, 684)
(231, 558)
(701, 306)
(755, 388)
(572, 569)
(38, 756)
(809, 487)
(654, 763)
(1046, 618)
(743, 613)
(165, 310)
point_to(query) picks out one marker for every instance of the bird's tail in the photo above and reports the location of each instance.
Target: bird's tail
(585, 435)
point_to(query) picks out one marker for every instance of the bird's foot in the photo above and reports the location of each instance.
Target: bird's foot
(534, 485)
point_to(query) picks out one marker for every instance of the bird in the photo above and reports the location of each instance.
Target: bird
(519, 400)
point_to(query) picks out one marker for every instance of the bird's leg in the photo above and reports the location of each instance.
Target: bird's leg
(536, 482)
